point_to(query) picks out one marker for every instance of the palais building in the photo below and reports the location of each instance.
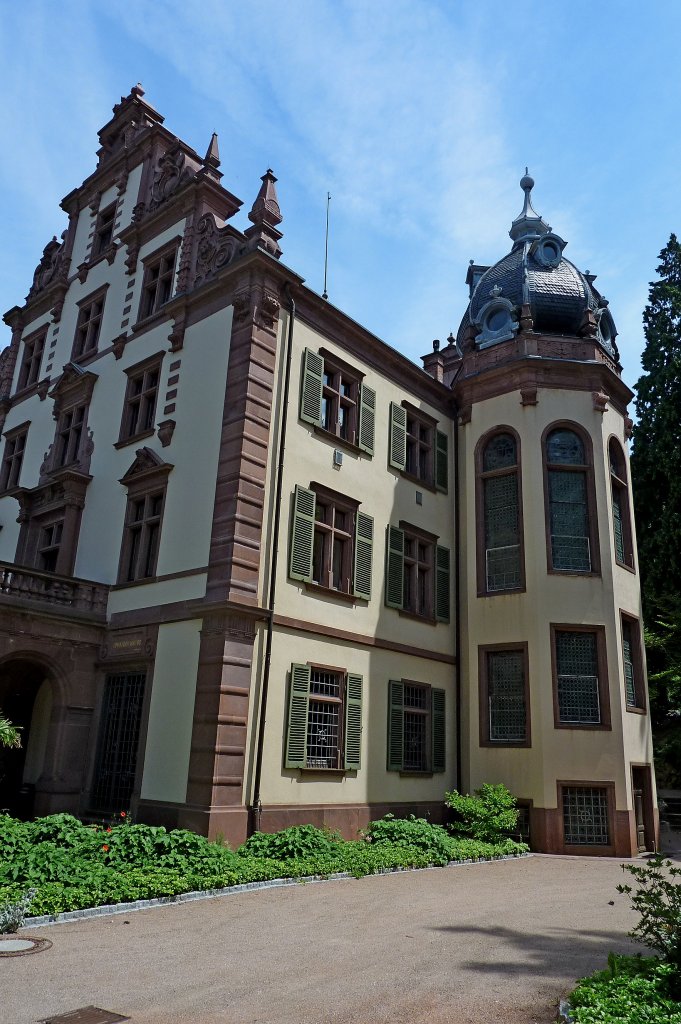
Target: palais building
(259, 569)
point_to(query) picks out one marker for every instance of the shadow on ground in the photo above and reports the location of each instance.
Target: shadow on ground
(562, 952)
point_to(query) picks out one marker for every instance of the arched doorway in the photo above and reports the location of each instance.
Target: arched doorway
(26, 700)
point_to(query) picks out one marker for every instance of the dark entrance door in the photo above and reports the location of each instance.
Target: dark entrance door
(119, 735)
(643, 807)
(19, 683)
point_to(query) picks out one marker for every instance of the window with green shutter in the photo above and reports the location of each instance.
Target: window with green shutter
(331, 541)
(417, 576)
(324, 719)
(334, 398)
(442, 584)
(397, 455)
(441, 461)
(416, 727)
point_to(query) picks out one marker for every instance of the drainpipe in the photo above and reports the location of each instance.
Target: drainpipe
(457, 599)
(255, 810)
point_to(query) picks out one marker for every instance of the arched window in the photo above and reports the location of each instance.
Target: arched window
(500, 555)
(621, 521)
(572, 525)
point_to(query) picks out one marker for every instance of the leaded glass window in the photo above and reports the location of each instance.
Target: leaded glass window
(506, 696)
(500, 495)
(577, 670)
(585, 816)
(628, 658)
(621, 528)
(569, 524)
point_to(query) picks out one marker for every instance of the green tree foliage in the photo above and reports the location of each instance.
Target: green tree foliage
(656, 475)
(656, 461)
(9, 734)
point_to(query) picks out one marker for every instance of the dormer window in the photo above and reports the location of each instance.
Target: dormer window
(496, 320)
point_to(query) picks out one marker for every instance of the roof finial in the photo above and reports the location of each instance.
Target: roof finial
(212, 156)
(265, 215)
(528, 224)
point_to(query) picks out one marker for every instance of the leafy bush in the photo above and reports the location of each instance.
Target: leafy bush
(658, 900)
(73, 866)
(489, 815)
(13, 912)
(412, 832)
(633, 990)
(297, 841)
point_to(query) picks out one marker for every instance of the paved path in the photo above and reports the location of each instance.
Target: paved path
(473, 944)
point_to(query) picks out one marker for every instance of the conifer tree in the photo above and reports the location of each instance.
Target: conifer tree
(656, 477)
(656, 460)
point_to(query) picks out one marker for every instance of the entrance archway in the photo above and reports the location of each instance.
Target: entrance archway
(26, 700)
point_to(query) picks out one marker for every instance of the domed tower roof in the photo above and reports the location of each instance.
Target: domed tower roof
(536, 275)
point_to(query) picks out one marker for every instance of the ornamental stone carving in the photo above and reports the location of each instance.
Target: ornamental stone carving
(216, 248)
(171, 173)
(48, 269)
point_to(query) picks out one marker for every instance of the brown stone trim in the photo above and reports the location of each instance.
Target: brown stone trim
(640, 683)
(517, 372)
(483, 695)
(480, 476)
(338, 442)
(592, 506)
(134, 439)
(603, 678)
(340, 364)
(420, 414)
(417, 531)
(348, 819)
(302, 626)
(160, 579)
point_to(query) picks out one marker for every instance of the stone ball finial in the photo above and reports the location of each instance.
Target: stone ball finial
(527, 182)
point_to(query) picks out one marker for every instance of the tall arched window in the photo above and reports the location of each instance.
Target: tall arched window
(572, 525)
(621, 521)
(500, 555)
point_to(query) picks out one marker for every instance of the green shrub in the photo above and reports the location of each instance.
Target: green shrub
(489, 815)
(297, 841)
(412, 832)
(633, 990)
(658, 901)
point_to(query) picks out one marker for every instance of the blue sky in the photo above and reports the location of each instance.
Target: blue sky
(418, 117)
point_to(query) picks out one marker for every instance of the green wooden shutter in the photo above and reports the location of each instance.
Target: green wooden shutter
(353, 722)
(296, 735)
(442, 584)
(302, 534)
(364, 545)
(441, 461)
(395, 725)
(398, 436)
(394, 568)
(311, 390)
(367, 419)
(439, 729)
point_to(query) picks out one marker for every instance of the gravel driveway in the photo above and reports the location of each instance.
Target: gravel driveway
(472, 944)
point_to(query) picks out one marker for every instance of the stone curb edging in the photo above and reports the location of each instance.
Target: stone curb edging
(208, 894)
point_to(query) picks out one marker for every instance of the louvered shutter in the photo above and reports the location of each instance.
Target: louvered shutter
(442, 584)
(364, 545)
(311, 390)
(394, 568)
(302, 534)
(398, 436)
(296, 736)
(353, 722)
(441, 461)
(367, 419)
(439, 729)
(395, 725)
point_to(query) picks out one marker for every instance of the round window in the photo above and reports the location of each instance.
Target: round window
(497, 319)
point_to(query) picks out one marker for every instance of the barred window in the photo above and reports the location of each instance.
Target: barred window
(585, 816)
(506, 697)
(500, 552)
(119, 734)
(579, 686)
(570, 518)
(324, 719)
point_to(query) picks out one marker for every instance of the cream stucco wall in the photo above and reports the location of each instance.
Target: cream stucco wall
(555, 754)
(373, 782)
(168, 742)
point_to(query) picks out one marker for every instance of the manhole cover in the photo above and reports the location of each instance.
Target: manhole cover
(85, 1015)
(19, 945)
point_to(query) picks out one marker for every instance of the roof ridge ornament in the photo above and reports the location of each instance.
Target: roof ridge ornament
(528, 225)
